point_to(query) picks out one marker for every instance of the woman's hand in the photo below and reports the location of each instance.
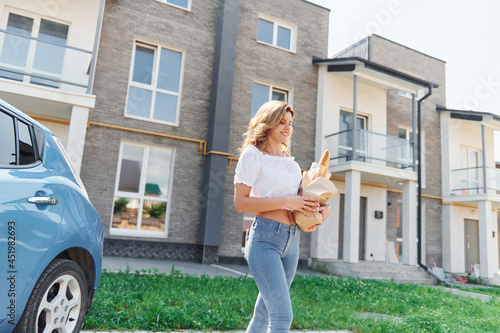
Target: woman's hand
(302, 204)
(324, 211)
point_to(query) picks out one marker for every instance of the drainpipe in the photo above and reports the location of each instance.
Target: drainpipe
(485, 185)
(419, 197)
(354, 116)
(413, 133)
(97, 38)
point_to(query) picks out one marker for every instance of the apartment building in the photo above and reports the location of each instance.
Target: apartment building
(176, 84)
(392, 209)
(47, 62)
(386, 87)
(471, 193)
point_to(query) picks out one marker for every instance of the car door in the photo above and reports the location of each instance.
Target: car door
(31, 207)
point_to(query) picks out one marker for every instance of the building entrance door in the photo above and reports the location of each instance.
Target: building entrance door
(362, 228)
(471, 243)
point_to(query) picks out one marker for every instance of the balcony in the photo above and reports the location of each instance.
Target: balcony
(380, 158)
(44, 62)
(373, 148)
(470, 181)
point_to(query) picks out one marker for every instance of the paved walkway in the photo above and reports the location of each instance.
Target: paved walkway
(117, 264)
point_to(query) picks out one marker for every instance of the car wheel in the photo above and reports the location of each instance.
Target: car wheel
(58, 301)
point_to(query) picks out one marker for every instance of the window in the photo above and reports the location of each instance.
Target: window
(18, 147)
(263, 93)
(276, 33)
(33, 45)
(345, 139)
(185, 4)
(470, 170)
(155, 84)
(407, 134)
(142, 191)
(7, 136)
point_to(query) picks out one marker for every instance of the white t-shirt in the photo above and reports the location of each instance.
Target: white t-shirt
(268, 176)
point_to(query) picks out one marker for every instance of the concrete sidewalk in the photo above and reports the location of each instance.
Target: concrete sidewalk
(116, 264)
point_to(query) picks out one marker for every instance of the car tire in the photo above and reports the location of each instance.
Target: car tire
(58, 301)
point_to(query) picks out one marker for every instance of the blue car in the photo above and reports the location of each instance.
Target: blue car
(51, 237)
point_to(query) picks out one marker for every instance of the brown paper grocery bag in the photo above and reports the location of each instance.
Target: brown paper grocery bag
(321, 189)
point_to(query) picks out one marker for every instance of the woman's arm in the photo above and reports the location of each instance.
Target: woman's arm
(246, 204)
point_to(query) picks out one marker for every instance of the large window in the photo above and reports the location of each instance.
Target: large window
(142, 191)
(277, 33)
(33, 45)
(263, 93)
(155, 83)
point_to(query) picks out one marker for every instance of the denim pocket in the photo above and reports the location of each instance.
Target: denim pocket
(263, 230)
(248, 237)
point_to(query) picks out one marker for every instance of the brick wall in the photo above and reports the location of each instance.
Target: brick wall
(255, 61)
(150, 21)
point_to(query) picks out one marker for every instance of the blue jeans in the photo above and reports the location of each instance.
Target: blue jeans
(272, 253)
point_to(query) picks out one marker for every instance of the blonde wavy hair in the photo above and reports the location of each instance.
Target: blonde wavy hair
(267, 117)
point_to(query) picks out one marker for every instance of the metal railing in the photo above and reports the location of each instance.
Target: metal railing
(371, 147)
(31, 60)
(468, 181)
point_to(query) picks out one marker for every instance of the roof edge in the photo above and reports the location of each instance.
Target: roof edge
(315, 4)
(377, 67)
(468, 112)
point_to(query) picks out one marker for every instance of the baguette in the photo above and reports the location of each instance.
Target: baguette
(322, 169)
(325, 159)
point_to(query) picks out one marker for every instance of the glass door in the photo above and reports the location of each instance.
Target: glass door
(469, 180)
(345, 138)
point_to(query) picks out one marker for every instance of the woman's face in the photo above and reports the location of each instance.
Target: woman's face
(281, 132)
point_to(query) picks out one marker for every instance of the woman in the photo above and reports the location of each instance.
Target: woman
(266, 182)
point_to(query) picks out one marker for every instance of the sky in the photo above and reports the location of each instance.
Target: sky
(461, 32)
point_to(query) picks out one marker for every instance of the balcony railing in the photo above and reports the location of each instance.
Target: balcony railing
(468, 181)
(373, 148)
(39, 62)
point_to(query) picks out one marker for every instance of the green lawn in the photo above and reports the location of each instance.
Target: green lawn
(163, 302)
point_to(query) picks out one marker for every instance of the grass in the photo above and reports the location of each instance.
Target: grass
(493, 291)
(154, 301)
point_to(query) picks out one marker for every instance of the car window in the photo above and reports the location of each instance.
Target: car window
(40, 140)
(26, 151)
(7, 137)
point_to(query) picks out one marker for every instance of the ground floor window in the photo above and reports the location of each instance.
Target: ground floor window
(142, 190)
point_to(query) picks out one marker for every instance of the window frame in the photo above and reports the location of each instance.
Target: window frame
(279, 23)
(154, 81)
(409, 134)
(469, 178)
(360, 153)
(272, 88)
(166, 2)
(141, 197)
(32, 47)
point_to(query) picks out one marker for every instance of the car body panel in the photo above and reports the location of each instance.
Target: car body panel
(42, 232)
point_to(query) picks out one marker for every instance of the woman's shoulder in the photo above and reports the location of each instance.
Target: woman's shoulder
(250, 152)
